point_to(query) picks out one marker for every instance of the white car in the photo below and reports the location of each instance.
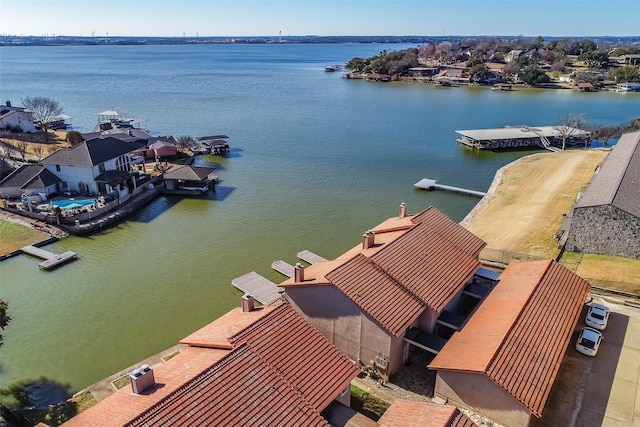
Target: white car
(597, 316)
(589, 341)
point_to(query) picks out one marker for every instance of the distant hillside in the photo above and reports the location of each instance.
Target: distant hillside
(7, 40)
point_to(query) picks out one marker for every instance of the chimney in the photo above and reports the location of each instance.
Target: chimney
(141, 379)
(8, 103)
(403, 210)
(368, 239)
(298, 273)
(247, 303)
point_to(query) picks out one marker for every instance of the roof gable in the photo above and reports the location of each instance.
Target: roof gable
(406, 413)
(93, 152)
(188, 173)
(307, 361)
(238, 391)
(519, 334)
(617, 181)
(377, 293)
(30, 176)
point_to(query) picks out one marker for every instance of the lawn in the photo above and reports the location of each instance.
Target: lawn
(15, 236)
(367, 404)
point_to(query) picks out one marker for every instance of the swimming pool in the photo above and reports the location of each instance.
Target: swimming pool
(72, 204)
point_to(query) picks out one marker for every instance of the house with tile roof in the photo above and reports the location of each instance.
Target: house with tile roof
(408, 413)
(378, 301)
(262, 366)
(95, 166)
(29, 179)
(606, 218)
(505, 359)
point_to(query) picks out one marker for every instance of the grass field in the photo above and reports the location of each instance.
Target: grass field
(14, 236)
(527, 204)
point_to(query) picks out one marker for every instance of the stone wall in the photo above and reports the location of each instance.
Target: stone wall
(604, 230)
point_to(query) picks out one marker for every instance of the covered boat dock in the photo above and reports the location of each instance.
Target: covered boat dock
(519, 137)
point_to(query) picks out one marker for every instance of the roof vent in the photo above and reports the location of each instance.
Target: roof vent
(298, 273)
(403, 210)
(248, 303)
(141, 379)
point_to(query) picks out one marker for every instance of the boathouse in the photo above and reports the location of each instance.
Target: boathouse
(188, 179)
(520, 137)
(606, 218)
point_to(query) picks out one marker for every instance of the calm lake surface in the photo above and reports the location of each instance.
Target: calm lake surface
(316, 161)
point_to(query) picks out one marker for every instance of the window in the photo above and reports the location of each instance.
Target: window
(57, 168)
(101, 167)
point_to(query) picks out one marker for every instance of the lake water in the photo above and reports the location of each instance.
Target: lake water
(316, 160)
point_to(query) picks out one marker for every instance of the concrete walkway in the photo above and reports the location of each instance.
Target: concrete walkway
(105, 388)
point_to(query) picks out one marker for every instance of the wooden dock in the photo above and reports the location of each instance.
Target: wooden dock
(432, 184)
(309, 257)
(50, 259)
(260, 288)
(283, 267)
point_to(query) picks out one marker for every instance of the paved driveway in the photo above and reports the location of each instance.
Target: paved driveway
(602, 390)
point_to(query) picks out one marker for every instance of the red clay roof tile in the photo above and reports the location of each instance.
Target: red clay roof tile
(519, 334)
(405, 413)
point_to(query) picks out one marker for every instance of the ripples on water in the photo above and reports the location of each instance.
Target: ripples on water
(316, 161)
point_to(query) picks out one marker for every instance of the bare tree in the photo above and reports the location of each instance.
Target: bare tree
(22, 146)
(187, 142)
(43, 110)
(569, 126)
(38, 150)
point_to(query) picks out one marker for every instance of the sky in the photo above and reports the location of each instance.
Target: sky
(235, 18)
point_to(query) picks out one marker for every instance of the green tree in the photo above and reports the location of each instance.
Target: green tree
(626, 73)
(594, 58)
(478, 72)
(532, 75)
(43, 110)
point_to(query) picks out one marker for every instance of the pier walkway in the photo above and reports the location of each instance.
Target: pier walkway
(283, 267)
(432, 184)
(50, 259)
(259, 287)
(310, 257)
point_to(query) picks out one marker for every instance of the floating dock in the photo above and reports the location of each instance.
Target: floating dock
(309, 257)
(432, 184)
(50, 259)
(260, 288)
(283, 267)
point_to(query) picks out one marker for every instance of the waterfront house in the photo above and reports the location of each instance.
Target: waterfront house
(253, 366)
(406, 286)
(101, 165)
(29, 180)
(16, 119)
(606, 218)
(505, 359)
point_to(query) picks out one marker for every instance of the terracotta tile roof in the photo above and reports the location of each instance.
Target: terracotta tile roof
(450, 230)
(377, 293)
(427, 257)
(274, 368)
(430, 265)
(405, 413)
(238, 391)
(217, 333)
(519, 334)
(122, 406)
(307, 361)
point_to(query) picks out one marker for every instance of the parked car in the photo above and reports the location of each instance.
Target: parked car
(597, 316)
(589, 341)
